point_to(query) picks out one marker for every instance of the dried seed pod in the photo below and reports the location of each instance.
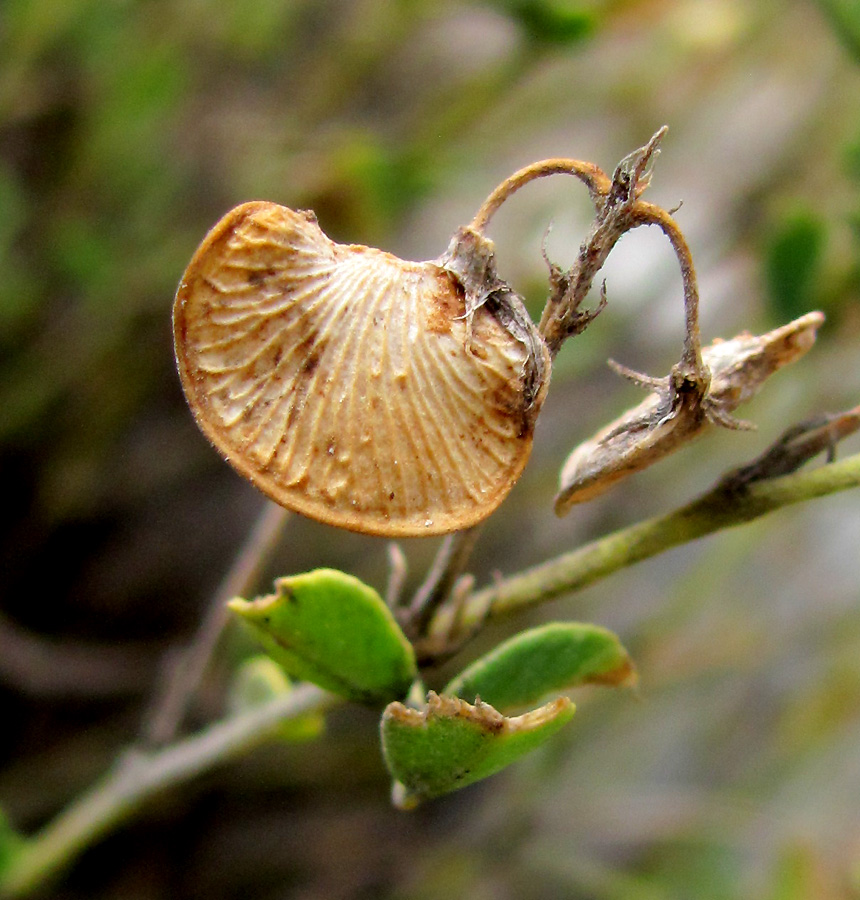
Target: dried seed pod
(662, 423)
(388, 397)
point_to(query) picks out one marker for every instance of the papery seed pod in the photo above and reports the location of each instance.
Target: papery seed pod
(388, 397)
(645, 434)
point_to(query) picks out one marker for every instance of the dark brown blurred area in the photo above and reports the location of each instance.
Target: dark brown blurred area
(128, 128)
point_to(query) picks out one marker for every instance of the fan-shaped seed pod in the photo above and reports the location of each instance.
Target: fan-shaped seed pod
(388, 397)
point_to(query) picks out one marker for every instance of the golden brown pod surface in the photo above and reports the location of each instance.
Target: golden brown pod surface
(346, 383)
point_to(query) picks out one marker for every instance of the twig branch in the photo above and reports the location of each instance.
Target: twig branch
(449, 565)
(137, 777)
(186, 674)
(712, 512)
(796, 446)
(590, 175)
(41, 666)
(614, 199)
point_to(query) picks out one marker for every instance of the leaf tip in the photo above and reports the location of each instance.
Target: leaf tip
(559, 710)
(624, 675)
(252, 610)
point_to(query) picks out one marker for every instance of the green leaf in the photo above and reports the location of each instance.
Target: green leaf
(554, 21)
(844, 16)
(793, 263)
(330, 628)
(523, 670)
(451, 743)
(380, 182)
(260, 679)
(10, 843)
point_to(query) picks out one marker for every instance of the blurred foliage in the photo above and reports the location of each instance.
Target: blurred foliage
(793, 262)
(553, 21)
(845, 16)
(127, 128)
(9, 841)
(259, 679)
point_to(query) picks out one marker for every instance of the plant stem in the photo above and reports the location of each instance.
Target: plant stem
(712, 512)
(644, 213)
(140, 774)
(450, 563)
(186, 674)
(593, 178)
(136, 777)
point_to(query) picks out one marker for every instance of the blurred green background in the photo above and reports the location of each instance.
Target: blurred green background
(127, 129)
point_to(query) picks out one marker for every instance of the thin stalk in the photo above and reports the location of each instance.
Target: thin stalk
(712, 512)
(644, 213)
(186, 675)
(449, 565)
(592, 176)
(138, 776)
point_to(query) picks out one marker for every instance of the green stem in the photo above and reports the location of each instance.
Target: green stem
(712, 512)
(135, 778)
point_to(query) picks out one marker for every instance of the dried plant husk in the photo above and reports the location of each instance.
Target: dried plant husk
(661, 423)
(383, 396)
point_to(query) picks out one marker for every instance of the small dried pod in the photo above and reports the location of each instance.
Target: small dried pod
(387, 397)
(666, 420)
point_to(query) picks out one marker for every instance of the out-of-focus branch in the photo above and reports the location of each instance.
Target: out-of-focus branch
(186, 673)
(137, 776)
(449, 565)
(718, 509)
(46, 667)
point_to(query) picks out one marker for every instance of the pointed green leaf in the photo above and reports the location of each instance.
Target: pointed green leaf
(451, 743)
(521, 671)
(330, 628)
(260, 679)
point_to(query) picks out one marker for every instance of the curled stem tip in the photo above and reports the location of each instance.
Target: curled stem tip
(644, 213)
(594, 178)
